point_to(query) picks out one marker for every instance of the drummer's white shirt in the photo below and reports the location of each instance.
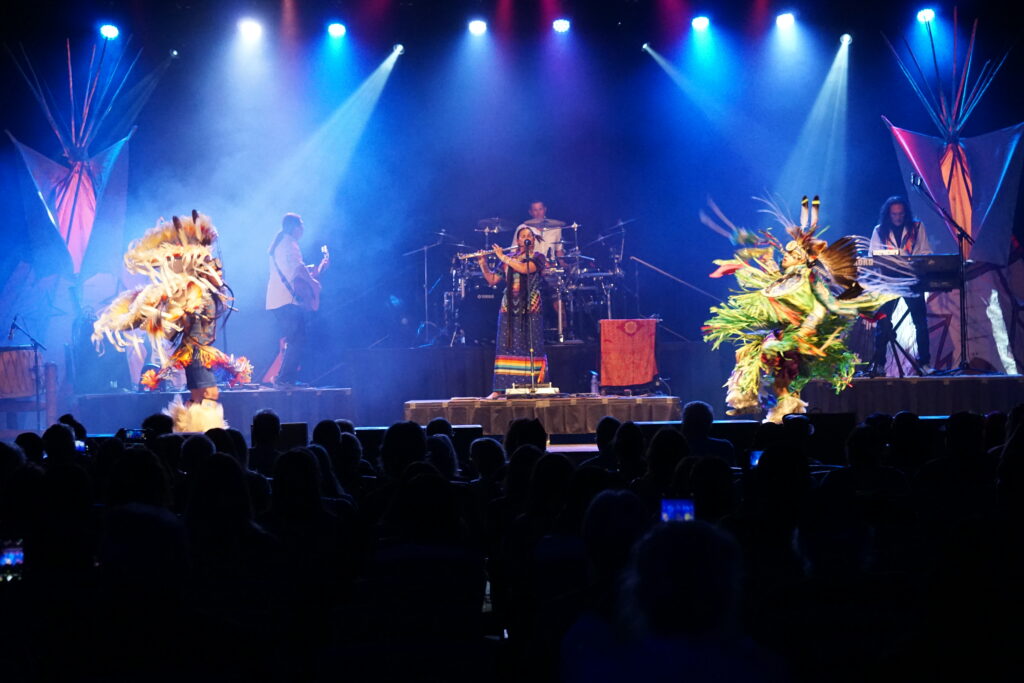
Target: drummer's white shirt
(547, 240)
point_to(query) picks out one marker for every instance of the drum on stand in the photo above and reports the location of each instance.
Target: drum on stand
(476, 310)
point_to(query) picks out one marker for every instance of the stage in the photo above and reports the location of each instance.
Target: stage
(106, 413)
(571, 415)
(921, 395)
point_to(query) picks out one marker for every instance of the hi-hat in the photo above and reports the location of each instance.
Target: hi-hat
(544, 223)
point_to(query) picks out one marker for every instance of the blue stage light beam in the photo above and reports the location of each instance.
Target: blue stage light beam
(716, 109)
(785, 20)
(308, 179)
(561, 25)
(845, 39)
(700, 23)
(109, 31)
(817, 162)
(478, 27)
(926, 15)
(336, 29)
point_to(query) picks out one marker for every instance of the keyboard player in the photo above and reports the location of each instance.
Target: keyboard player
(898, 233)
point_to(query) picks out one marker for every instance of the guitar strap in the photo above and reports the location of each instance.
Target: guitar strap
(286, 281)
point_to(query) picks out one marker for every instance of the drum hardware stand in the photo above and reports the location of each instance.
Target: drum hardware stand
(38, 377)
(676, 279)
(961, 237)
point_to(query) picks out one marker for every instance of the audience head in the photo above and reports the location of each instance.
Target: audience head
(425, 508)
(346, 426)
(329, 486)
(31, 444)
(520, 470)
(697, 420)
(296, 490)
(218, 501)
(525, 430)
(221, 441)
(667, 448)
(59, 443)
(195, 451)
(487, 456)
(797, 429)
(606, 428)
(549, 485)
(327, 433)
(965, 434)
(266, 428)
(349, 454)
(77, 427)
(403, 443)
(137, 477)
(864, 447)
(439, 425)
(441, 454)
(157, 424)
(683, 580)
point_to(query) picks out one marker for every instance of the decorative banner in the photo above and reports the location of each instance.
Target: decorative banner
(627, 352)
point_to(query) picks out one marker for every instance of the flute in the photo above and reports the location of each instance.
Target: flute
(485, 252)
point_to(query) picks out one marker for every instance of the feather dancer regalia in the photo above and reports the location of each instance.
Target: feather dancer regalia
(793, 309)
(182, 302)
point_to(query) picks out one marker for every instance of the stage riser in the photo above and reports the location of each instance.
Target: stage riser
(106, 413)
(559, 415)
(921, 395)
(383, 379)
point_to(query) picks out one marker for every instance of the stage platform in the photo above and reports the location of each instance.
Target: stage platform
(921, 395)
(106, 413)
(573, 415)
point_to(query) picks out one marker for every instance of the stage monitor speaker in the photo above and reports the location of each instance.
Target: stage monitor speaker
(464, 436)
(293, 435)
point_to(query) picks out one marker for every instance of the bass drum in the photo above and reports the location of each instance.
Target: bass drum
(478, 311)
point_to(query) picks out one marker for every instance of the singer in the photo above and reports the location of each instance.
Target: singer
(519, 350)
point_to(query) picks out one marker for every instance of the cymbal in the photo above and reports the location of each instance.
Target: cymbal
(492, 224)
(619, 223)
(544, 223)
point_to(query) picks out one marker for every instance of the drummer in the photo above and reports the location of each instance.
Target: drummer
(548, 232)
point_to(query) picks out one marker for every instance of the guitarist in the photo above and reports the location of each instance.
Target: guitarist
(292, 291)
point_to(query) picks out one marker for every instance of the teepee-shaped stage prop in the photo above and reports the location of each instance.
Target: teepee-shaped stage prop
(974, 184)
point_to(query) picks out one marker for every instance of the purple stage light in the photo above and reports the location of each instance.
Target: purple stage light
(560, 25)
(478, 27)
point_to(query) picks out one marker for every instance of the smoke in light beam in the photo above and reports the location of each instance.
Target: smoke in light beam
(817, 163)
(308, 180)
(728, 119)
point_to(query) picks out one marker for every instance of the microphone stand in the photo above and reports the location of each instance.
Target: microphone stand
(35, 352)
(961, 237)
(529, 317)
(426, 285)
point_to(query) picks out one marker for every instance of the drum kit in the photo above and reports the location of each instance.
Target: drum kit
(576, 291)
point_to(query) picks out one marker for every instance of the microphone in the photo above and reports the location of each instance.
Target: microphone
(14, 326)
(528, 243)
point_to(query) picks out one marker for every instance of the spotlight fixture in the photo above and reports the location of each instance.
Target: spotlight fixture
(173, 53)
(845, 39)
(785, 20)
(560, 25)
(250, 29)
(336, 30)
(646, 47)
(109, 31)
(926, 15)
(478, 27)
(700, 23)
(399, 48)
